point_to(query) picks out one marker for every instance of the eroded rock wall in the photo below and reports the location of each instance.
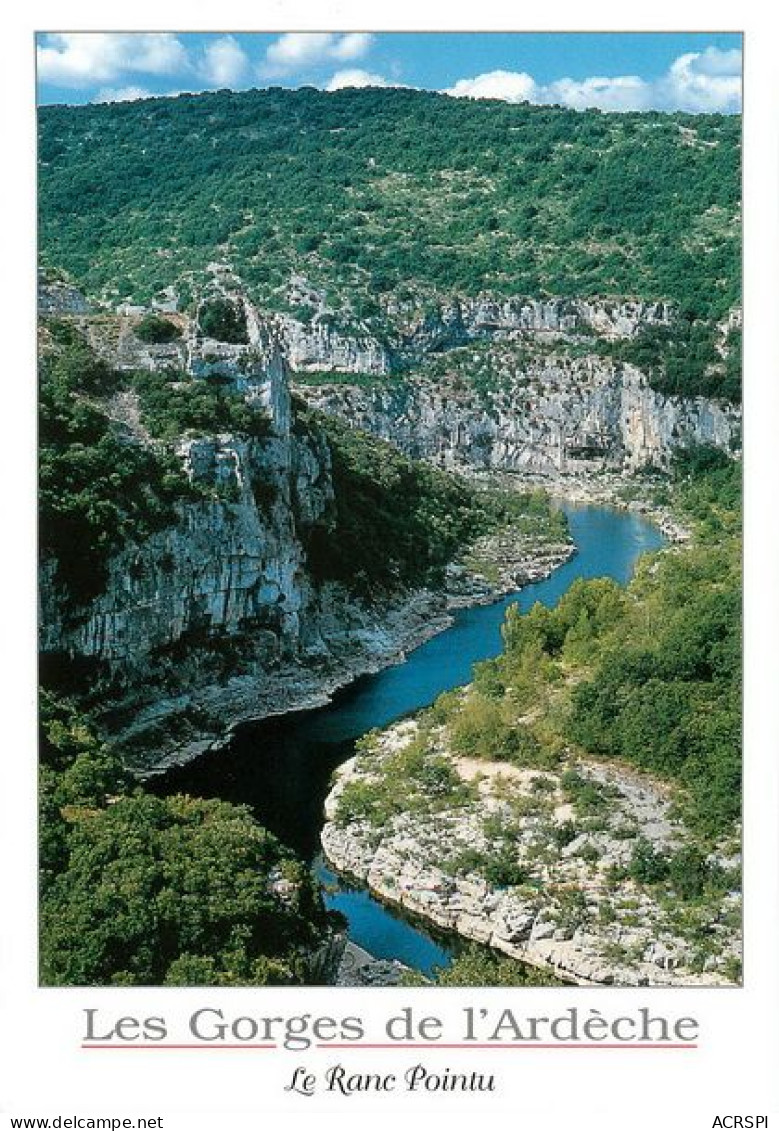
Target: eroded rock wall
(318, 344)
(550, 417)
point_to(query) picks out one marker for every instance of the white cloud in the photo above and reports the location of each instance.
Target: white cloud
(224, 63)
(623, 92)
(355, 77)
(353, 45)
(706, 81)
(715, 61)
(79, 58)
(122, 94)
(698, 82)
(297, 50)
(509, 86)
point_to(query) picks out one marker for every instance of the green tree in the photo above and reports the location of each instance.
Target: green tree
(151, 880)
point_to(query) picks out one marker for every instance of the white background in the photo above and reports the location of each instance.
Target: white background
(735, 1069)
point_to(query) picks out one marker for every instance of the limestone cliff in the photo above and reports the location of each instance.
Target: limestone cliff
(551, 417)
(319, 345)
(514, 384)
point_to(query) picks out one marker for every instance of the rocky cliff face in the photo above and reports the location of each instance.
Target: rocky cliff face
(317, 345)
(222, 567)
(217, 617)
(549, 417)
(552, 404)
(458, 322)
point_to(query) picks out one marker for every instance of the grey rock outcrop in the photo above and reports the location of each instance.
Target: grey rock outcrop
(321, 343)
(318, 346)
(56, 299)
(551, 417)
(221, 567)
(457, 322)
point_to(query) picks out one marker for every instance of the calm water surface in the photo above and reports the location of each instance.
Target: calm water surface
(282, 767)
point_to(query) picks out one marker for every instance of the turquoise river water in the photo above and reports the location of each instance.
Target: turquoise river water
(282, 767)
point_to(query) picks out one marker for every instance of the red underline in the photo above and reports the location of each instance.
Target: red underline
(398, 1045)
(203, 1045)
(509, 1045)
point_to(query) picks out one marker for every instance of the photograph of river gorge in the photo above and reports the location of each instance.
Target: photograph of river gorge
(389, 509)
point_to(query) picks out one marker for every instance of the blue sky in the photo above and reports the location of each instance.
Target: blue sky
(615, 71)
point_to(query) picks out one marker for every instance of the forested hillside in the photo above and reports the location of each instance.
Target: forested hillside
(388, 197)
(136, 890)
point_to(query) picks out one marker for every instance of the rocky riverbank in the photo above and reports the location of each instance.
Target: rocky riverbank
(571, 907)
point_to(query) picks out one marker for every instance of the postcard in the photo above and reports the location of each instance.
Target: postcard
(391, 458)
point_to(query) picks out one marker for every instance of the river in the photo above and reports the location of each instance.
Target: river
(282, 767)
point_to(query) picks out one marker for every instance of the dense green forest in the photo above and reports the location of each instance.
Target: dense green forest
(137, 890)
(391, 195)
